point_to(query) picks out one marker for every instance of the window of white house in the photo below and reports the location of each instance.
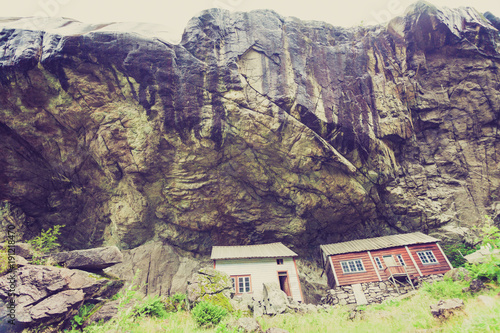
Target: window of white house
(244, 284)
(379, 263)
(279, 261)
(352, 266)
(241, 284)
(400, 259)
(427, 257)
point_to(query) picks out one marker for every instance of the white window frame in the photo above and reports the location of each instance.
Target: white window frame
(400, 259)
(427, 257)
(235, 281)
(352, 266)
(245, 290)
(379, 263)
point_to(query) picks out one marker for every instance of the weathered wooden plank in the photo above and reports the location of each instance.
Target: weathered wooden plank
(359, 294)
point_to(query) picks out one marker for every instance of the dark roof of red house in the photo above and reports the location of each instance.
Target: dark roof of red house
(377, 243)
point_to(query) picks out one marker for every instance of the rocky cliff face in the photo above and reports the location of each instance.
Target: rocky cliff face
(254, 128)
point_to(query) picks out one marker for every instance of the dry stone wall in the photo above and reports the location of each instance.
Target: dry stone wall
(375, 292)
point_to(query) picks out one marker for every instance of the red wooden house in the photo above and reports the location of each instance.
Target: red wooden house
(404, 256)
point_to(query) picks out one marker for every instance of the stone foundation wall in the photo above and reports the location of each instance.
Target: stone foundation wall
(375, 292)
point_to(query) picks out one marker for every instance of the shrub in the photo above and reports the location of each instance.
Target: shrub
(175, 303)
(490, 268)
(45, 244)
(83, 313)
(456, 252)
(444, 289)
(152, 306)
(206, 313)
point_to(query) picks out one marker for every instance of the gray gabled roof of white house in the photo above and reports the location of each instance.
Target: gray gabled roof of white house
(377, 243)
(273, 250)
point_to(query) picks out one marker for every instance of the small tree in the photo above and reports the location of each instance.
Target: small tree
(45, 244)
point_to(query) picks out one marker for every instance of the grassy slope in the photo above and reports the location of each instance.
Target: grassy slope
(407, 315)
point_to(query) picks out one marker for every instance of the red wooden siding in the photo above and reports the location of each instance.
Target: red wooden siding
(410, 267)
(351, 278)
(370, 275)
(439, 268)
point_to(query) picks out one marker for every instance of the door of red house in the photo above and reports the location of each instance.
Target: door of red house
(284, 283)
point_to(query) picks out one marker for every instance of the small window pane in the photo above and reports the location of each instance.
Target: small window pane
(379, 263)
(422, 257)
(400, 258)
(352, 266)
(430, 256)
(243, 284)
(427, 257)
(233, 284)
(247, 284)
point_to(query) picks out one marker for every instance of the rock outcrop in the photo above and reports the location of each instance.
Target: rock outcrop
(49, 295)
(482, 255)
(212, 286)
(445, 308)
(255, 128)
(90, 260)
(157, 269)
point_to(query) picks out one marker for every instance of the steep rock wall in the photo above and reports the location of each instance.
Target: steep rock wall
(254, 128)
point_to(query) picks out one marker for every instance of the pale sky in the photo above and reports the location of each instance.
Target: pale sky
(175, 14)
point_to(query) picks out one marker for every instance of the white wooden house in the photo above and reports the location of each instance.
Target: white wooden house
(250, 266)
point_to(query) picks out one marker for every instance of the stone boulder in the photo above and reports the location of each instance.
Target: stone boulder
(275, 300)
(10, 262)
(51, 295)
(246, 325)
(475, 286)
(105, 313)
(211, 285)
(20, 249)
(159, 268)
(243, 302)
(482, 255)
(458, 274)
(445, 308)
(91, 259)
(49, 309)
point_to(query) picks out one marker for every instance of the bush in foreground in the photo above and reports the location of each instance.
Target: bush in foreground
(152, 306)
(206, 313)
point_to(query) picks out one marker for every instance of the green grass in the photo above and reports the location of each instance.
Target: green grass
(406, 315)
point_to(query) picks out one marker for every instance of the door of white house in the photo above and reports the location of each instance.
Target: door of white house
(284, 282)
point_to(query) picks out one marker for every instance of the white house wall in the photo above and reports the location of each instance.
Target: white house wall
(261, 271)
